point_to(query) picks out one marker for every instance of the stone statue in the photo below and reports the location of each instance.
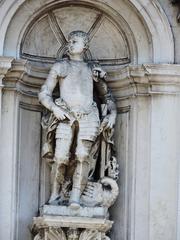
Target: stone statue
(79, 146)
(76, 115)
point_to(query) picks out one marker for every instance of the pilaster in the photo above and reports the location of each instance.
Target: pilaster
(18, 94)
(5, 65)
(148, 151)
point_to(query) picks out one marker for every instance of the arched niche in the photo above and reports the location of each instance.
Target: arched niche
(141, 34)
(46, 37)
(133, 24)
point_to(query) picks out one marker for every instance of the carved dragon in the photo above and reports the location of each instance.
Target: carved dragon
(103, 193)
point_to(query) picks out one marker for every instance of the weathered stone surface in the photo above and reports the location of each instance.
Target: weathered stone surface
(147, 40)
(98, 212)
(147, 131)
(83, 139)
(70, 228)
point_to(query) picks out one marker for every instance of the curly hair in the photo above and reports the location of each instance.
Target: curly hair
(81, 34)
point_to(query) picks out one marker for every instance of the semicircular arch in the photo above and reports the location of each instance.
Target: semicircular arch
(145, 40)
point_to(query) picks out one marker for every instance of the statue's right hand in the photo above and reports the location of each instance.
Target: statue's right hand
(60, 114)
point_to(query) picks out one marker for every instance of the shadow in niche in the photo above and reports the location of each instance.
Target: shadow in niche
(177, 2)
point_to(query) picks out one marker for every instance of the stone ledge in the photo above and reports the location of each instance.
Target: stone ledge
(5, 64)
(125, 82)
(99, 224)
(95, 212)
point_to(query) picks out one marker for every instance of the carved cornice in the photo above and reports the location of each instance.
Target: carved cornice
(72, 222)
(126, 82)
(145, 80)
(20, 79)
(5, 65)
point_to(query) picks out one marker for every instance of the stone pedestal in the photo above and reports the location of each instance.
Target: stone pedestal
(94, 212)
(51, 227)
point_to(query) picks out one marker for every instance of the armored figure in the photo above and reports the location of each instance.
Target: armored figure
(75, 118)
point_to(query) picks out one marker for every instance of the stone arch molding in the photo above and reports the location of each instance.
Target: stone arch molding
(144, 32)
(46, 37)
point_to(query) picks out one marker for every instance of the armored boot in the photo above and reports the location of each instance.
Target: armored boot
(79, 182)
(57, 180)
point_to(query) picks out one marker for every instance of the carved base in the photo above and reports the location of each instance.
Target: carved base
(91, 212)
(70, 228)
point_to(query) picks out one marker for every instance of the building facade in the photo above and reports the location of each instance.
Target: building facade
(138, 43)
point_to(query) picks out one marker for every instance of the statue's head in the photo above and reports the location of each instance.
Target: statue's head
(77, 42)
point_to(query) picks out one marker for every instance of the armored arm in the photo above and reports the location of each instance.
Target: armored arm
(104, 93)
(108, 159)
(45, 94)
(106, 97)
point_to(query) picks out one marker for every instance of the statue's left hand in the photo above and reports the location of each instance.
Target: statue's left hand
(99, 72)
(108, 122)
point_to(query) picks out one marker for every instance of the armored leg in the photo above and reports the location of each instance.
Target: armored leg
(61, 159)
(57, 179)
(80, 176)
